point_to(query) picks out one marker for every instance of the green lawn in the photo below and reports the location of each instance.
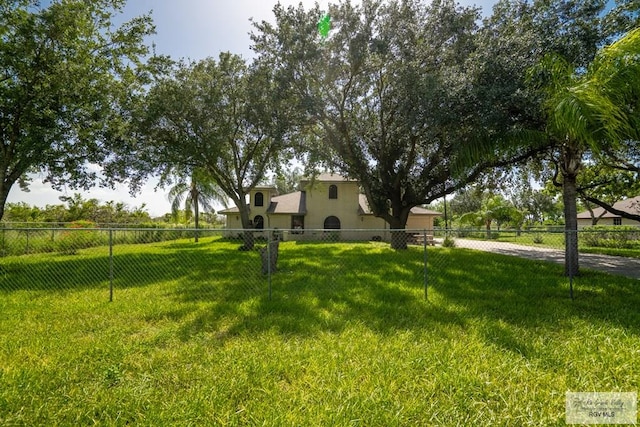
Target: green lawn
(347, 337)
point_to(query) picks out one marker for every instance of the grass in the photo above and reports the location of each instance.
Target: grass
(347, 338)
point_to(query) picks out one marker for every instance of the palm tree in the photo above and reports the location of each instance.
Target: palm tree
(590, 112)
(199, 191)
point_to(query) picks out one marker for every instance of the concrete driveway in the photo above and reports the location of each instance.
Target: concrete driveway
(629, 267)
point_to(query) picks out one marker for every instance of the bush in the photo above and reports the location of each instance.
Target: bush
(449, 242)
(618, 237)
(82, 234)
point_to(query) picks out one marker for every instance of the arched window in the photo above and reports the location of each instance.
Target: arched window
(258, 222)
(333, 191)
(258, 199)
(332, 223)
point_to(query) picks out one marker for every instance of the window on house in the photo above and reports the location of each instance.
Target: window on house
(332, 223)
(258, 199)
(333, 191)
(617, 221)
(258, 222)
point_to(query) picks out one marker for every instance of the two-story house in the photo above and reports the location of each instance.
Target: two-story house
(328, 202)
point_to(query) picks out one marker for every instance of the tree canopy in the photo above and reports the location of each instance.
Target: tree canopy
(224, 119)
(65, 71)
(547, 53)
(388, 96)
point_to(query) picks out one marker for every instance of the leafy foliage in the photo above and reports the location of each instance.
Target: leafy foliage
(223, 119)
(66, 73)
(388, 96)
(561, 67)
(77, 208)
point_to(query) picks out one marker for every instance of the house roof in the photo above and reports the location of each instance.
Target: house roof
(291, 204)
(231, 210)
(364, 208)
(629, 205)
(327, 177)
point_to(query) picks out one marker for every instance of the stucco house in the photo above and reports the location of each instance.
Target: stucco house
(607, 218)
(328, 202)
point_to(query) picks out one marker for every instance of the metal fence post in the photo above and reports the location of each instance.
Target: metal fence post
(26, 249)
(110, 265)
(424, 247)
(269, 261)
(570, 260)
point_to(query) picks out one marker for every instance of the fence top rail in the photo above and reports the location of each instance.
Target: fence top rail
(612, 229)
(108, 229)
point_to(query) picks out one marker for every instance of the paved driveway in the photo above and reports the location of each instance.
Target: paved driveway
(623, 266)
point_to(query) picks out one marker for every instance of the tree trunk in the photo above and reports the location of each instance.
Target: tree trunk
(247, 235)
(488, 228)
(4, 194)
(397, 223)
(196, 211)
(398, 239)
(569, 197)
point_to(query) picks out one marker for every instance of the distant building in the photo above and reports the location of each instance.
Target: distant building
(607, 218)
(329, 202)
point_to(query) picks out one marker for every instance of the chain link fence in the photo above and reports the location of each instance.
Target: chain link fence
(220, 263)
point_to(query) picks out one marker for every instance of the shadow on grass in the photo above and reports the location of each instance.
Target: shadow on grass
(133, 266)
(321, 288)
(214, 288)
(529, 294)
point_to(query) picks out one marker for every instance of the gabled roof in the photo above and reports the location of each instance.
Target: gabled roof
(631, 206)
(291, 204)
(364, 209)
(231, 210)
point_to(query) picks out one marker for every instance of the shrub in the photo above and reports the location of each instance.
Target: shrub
(537, 238)
(449, 242)
(82, 234)
(617, 237)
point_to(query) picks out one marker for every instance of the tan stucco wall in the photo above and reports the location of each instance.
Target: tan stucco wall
(345, 207)
(282, 222)
(420, 222)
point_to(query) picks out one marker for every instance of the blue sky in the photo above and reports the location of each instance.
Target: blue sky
(199, 28)
(193, 29)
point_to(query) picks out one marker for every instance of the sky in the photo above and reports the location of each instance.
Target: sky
(190, 29)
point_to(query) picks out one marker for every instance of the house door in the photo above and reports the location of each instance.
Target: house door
(297, 224)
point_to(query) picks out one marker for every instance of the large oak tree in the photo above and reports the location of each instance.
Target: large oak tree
(64, 72)
(390, 97)
(224, 118)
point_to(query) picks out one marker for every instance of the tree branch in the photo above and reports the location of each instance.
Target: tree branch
(609, 208)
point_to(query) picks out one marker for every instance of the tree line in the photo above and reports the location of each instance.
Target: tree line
(416, 100)
(92, 211)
